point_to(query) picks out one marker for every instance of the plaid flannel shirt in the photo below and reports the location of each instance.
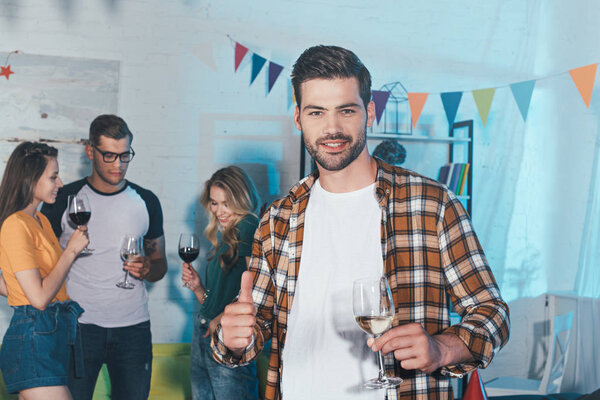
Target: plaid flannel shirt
(431, 255)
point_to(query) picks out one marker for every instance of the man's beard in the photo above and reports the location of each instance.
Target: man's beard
(336, 162)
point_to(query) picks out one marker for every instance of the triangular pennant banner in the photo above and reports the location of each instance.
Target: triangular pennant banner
(380, 98)
(584, 77)
(475, 389)
(257, 64)
(451, 100)
(240, 53)
(274, 71)
(204, 51)
(522, 92)
(483, 100)
(416, 101)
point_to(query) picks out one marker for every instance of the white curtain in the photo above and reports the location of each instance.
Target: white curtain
(588, 272)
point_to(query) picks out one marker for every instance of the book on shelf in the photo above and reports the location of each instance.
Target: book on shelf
(456, 170)
(465, 176)
(443, 174)
(454, 176)
(460, 179)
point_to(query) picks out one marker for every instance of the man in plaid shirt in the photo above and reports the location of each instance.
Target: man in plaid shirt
(364, 218)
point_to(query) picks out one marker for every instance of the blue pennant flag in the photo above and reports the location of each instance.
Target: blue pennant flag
(522, 92)
(451, 100)
(257, 63)
(380, 98)
(274, 71)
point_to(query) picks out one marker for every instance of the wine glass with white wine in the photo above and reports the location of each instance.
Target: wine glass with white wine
(374, 311)
(131, 247)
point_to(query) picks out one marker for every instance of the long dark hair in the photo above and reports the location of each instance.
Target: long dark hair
(242, 199)
(23, 170)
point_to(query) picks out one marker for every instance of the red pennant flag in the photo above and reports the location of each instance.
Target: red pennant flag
(475, 389)
(240, 52)
(416, 101)
(584, 77)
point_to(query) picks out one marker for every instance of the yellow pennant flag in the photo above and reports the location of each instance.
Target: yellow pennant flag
(416, 101)
(584, 77)
(483, 100)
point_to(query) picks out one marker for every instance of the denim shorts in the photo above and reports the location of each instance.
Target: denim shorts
(37, 346)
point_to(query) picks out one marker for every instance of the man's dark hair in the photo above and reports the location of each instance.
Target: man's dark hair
(330, 62)
(111, 126)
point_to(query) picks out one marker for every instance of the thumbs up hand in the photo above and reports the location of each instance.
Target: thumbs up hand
(246, 288)
(239, 319)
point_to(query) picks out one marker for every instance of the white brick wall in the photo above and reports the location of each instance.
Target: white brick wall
(170, 100)
(179, 108)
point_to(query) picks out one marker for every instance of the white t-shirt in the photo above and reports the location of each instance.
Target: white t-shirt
(325, 354)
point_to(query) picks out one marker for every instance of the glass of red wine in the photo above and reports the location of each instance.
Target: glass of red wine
(79, 213)
(189, 248)
(131, 248)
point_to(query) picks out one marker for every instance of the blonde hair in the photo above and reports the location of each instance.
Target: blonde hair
(242, 200)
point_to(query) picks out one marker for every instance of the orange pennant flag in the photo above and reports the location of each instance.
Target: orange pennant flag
(584, 77)
(416, 102)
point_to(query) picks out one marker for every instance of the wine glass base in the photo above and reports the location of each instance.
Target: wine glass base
(386, 383)
(87, 251)
(125, 285)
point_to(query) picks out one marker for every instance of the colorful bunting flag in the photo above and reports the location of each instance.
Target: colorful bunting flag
(240, 53)
(380, 98)
(483, 100)
(475, 389)
(257, 63)
(522, 92)
(584, 78)
(204, 51)
(451, 100)
(274, 71)
(416, 101)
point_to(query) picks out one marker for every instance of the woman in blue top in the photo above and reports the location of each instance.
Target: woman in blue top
(230, 199)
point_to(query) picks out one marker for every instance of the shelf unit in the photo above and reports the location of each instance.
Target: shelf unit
(460, 134)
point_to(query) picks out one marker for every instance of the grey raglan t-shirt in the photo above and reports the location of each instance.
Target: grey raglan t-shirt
(92, 278)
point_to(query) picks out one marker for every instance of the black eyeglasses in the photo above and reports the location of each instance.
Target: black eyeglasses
(110, 157)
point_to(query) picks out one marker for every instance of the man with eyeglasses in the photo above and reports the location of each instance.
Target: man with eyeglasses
(115, 327)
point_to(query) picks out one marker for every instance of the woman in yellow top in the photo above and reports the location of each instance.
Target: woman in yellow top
(37, 346)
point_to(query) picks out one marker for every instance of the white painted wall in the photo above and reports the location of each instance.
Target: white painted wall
(191, 116)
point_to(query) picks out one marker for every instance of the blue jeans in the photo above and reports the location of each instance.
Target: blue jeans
(211, 380)
(127, 353)
(38, 345)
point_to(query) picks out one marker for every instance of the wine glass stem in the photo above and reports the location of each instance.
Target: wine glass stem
(382, 376)
(126, 276)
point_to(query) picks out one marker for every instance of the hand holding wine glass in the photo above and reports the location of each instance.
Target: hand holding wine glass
(80, 212)
(374, 311)
(131, 248)
(78, 240)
